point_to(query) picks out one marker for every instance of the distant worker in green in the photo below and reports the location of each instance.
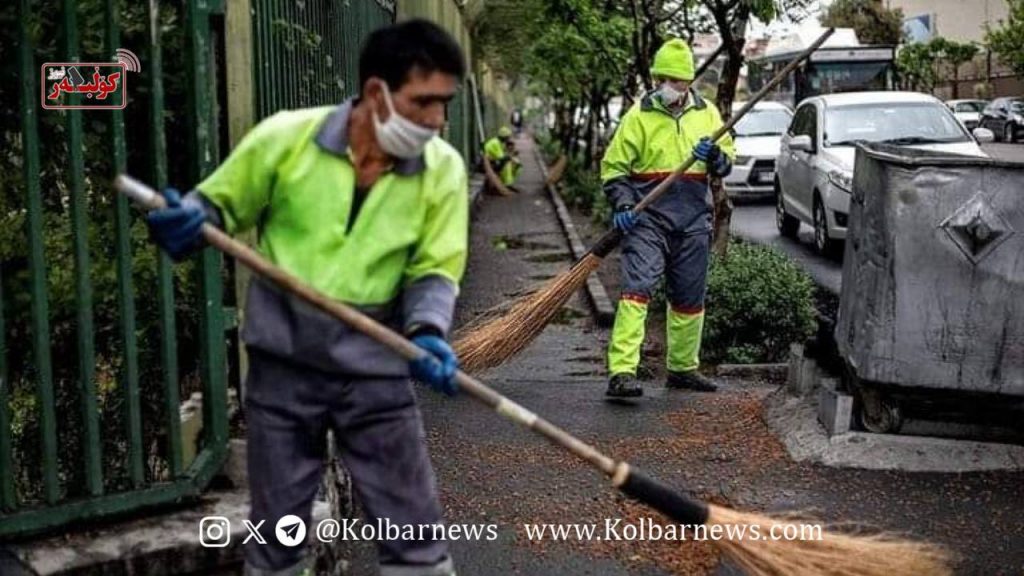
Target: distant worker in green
(672, 237)
(502, 160)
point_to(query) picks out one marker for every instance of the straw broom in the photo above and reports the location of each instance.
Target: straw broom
(492, 339)
(835, 553)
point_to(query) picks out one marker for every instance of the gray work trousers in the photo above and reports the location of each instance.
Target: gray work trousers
(377, 424)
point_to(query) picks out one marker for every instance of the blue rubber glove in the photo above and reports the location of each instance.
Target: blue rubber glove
(624, 219)
(177, 227)
(706, 151)
(437, 366)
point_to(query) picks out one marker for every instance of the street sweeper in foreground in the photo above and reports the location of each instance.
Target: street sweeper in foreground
(366, 204)
(672, 238)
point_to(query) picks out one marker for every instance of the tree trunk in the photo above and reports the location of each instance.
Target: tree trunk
(733, 35)
(723, 218)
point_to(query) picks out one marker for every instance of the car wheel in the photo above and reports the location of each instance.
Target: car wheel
(822, 243)
(1008, 133)
(788, 225)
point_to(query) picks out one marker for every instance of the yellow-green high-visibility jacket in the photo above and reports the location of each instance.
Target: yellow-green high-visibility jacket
(495, 152)
(397, 252)
(500, 161)
(648, 145)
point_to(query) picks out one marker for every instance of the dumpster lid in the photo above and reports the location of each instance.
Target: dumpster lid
(920, 157)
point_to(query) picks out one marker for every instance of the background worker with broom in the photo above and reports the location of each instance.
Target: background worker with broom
(501, 161)
(672, 237)
(366, 204)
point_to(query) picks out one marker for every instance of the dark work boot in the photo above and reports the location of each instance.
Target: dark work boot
(691, 380)
(624, 386)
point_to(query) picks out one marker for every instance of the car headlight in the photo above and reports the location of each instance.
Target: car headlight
(1018, 119)
(841, 180)
(742, 160)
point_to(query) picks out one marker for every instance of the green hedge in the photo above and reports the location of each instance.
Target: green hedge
(758, 303)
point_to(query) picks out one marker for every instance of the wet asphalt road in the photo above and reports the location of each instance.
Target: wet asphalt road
(491, 472)
(756, 223)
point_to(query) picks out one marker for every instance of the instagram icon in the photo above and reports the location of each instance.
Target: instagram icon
(214, 532)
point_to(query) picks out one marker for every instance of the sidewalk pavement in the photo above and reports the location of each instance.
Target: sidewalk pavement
(490, 471)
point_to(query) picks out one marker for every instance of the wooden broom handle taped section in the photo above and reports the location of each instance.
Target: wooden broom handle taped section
(513, 411)
(610, 239)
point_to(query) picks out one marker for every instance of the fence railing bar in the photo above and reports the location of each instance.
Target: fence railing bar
(165, 276)
(125, 293)
(211, 316)
(262, 59)
(8, 499)
(292, 77)
(337, 58)
(84, 329)
(40, 307)
(277, 47)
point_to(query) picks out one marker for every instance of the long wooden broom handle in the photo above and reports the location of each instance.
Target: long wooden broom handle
(610, 239)
(149, 199)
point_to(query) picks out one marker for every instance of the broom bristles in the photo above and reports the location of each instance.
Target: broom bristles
(489, 343)
(834, 554)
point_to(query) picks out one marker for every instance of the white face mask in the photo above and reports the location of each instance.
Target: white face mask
(399, 136)
(668, 95)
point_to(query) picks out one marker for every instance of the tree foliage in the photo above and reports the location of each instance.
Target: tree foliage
(920, 64)
(1007, 41)
(577, 55)
(873, 22)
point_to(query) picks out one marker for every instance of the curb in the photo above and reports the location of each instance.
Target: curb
(604, 309)
(476, 188)
(767, 371)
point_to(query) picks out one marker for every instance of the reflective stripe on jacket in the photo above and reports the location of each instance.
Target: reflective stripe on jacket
(649, 144)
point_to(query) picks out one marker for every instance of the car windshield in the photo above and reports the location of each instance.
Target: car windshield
(1017, 105)
(970, 106)
(763, 123)
(904, 123)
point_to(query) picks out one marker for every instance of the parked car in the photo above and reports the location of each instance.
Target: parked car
(815, 163)
(1005, 117)
(967, 111)
(757, 137)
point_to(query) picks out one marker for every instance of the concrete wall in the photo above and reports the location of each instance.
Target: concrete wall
(960, 20)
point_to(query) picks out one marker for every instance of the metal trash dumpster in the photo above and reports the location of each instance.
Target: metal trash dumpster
(933, 277)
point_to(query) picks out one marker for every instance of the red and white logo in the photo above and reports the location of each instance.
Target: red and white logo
(88, 85)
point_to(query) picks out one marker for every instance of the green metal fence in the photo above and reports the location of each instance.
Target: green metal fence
(100, 336)
(94, 387)
(307, 53)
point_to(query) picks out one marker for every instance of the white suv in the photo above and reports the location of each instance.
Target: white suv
(815, 163)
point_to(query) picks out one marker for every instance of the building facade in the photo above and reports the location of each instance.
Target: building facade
(963, 21)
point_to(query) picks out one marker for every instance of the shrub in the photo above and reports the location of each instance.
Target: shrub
(758, 303)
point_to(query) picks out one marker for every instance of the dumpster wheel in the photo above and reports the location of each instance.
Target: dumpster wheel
(879, 413)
